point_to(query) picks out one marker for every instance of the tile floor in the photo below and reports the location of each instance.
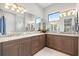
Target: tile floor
(49, 52)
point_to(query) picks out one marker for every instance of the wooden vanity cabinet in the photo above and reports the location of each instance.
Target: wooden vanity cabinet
(70, 45)
(25, 47)
(53, 42)
(10, 48)
(30, 45)
(65, 44)
(0, 49)
(35, 43)
(22, 47)
(38, 42)
(42, 41)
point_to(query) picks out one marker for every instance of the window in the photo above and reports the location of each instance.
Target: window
(38, 20)
(38, 23)
(53, 16)
(53, 21)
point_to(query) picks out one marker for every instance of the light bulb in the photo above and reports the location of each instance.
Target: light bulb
(64, 14)
(8, 4)
(12, 9)
(74, 12)
(22, 12)
(14, 6)
(7, 7)
(69, 13)
(20, 8)
(17, 10)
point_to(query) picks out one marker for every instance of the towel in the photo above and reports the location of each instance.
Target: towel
(2, 25)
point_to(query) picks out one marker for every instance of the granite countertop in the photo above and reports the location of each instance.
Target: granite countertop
(15, 37)
(64, 34)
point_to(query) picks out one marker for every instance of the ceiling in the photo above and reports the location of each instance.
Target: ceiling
(44, 5)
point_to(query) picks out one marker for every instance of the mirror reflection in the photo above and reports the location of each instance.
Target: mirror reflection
(17, 22)
(66, 22)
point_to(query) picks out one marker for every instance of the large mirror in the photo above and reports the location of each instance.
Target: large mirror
(29, 22)
(65, 22)
(16, 23)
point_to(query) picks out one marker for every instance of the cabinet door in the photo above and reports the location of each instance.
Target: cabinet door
(42, 41)
(25, 47)
(65, 44)
(51, 42)
(35, 44)
(54, 42)
(70, 45)
(10, 48)
(0, 49)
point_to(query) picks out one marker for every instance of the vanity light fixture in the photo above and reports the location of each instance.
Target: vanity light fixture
(15, 7)
(8, 4)
(68, 13)
(74, 12)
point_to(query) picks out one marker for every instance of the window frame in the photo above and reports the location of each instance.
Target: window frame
(51, 14)
(37, 18)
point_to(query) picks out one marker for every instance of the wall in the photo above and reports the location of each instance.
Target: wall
(33, 9)
(58, 7)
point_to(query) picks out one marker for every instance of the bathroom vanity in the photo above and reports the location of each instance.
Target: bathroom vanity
(24, 46)
(66, 44)
(29, 44)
